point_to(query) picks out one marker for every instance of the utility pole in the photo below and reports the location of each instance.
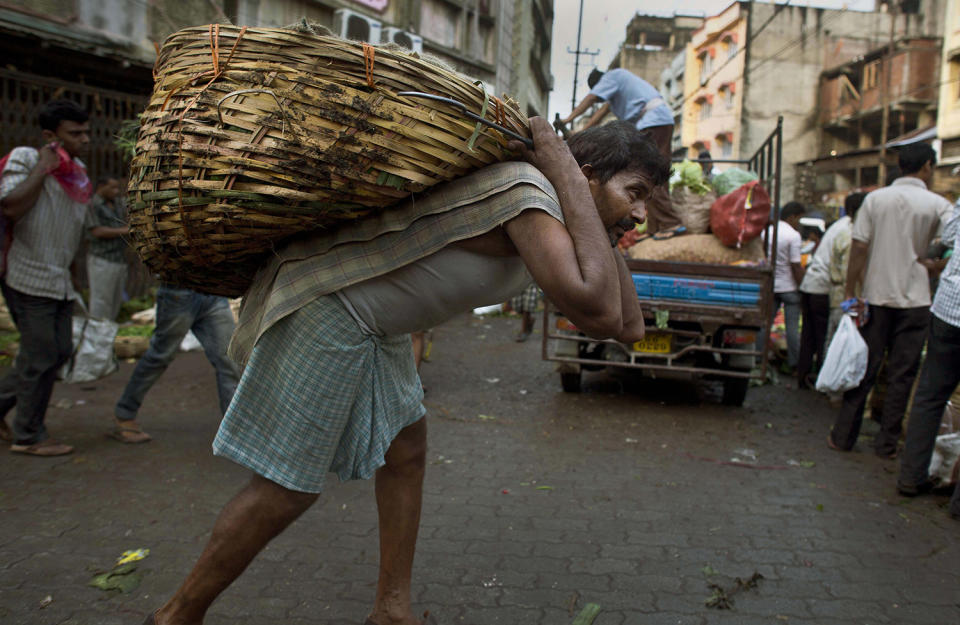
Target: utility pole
(885, 94)
(577, 53)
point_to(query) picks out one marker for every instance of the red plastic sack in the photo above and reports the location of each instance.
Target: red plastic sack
(741, 215)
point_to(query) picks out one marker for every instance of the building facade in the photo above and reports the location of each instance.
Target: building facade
(948, 111)
(852, 98)
(756, 61)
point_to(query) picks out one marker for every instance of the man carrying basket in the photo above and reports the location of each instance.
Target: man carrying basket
(330, 383)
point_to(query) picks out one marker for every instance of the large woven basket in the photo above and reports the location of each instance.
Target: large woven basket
(254, 135)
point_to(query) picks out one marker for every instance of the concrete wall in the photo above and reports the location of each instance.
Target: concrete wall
(784, 63)
(718, 83)
(948, 121)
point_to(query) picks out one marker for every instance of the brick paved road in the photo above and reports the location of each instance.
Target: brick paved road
(545, 503)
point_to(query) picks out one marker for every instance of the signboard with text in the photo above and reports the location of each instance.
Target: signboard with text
(376, 5)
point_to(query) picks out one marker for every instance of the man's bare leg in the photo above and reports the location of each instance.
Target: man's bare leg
(399, 488)
(246, 524)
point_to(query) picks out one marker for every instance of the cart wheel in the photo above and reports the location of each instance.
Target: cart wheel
(735, 391)
(570, 382)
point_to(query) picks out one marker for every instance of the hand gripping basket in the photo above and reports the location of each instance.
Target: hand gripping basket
(253, 135)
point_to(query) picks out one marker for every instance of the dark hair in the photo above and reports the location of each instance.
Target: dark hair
(913, 156)
(704, 156)
(594, 77)
(618, 146)
(791, 209)
(852, 203)
(102, 180)
(56, 111)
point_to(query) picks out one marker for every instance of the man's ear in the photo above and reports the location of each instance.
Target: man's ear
(587, 171)
(48, 136)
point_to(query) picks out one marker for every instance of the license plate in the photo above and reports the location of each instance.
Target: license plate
(653, 343)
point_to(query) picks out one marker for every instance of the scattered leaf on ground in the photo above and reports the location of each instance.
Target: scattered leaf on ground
(544, 487)
(486, 417)
(587, 614)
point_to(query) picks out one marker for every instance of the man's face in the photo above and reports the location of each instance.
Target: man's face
(620, 201)
(109, 190)
(73, 136)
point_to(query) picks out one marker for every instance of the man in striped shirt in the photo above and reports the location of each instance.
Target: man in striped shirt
(939, 377)
(42, 197)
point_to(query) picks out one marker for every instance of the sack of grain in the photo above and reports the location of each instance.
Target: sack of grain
(692, 208)
(697, 248)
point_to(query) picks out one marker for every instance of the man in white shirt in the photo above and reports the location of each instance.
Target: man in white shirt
(46, 210)
(888, 257)
(815, 294)
(788, 275)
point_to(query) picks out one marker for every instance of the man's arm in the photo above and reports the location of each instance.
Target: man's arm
(18, 202)
(585, 103)
(798, 272)
(633, 325)
(597, 117)
(104, 232)
(572, 262)
(856, 267)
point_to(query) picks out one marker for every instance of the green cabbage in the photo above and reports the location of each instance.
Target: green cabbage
(689, 174)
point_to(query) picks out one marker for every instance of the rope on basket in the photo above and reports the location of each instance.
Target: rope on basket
(369, 53)
(217, 71)
(483, 113)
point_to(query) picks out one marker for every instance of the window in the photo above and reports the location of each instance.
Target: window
(726, 95)
(705, 108)
(726, 147)
(871, 74)
(730, 45)
(706, 67)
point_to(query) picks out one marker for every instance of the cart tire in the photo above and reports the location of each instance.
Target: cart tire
(570, 382)
(735, 391)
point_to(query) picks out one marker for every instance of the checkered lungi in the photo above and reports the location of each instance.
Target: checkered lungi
(526, 301)
(319, 396)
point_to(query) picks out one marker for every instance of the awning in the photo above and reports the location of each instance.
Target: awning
(914, 136)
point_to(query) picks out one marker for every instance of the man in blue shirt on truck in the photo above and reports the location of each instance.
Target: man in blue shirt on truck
(633, 99)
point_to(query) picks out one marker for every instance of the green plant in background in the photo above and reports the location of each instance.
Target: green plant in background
(6, 338)
(126, 138)
(136, 330)
(136, 304)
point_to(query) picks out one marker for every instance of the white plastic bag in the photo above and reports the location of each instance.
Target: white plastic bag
(846, 361)
(945, 462)
(93, 352)
(190, 342)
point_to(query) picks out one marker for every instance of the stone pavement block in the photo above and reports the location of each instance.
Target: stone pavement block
(454, 595)
(855, 610)
(603, 566)
(508, 615)
(672, 539)
(534, 597)
(923, 614)
(576, 582)
(637, 553)
(574, 550)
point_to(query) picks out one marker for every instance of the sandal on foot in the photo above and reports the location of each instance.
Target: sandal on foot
(669, 233)
(129, 435)
(831, 444)
(48, 447)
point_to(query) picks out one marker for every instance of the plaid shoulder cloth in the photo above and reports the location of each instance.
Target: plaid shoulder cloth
(326, 262)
